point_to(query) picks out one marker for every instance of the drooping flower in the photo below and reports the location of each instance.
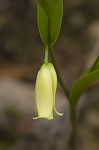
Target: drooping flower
(45, 91)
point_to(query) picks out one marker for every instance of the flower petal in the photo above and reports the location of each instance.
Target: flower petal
(54, 77)
(60, 114)
(54, 86)
(43, 92)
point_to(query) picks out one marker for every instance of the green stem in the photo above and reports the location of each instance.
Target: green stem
(49, 49)
(57, 71)
(46, 55)
(72, 108)
(53, 59)
(73, 122)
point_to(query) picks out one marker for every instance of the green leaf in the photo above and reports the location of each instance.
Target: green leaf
(48, 6)
(49, 27)
(81, 84)
(95, 65)
(56, 21)
(42, 19)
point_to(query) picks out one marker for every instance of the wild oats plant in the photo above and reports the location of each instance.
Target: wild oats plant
(49, 18)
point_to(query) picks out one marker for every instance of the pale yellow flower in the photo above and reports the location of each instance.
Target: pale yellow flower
(45, 91)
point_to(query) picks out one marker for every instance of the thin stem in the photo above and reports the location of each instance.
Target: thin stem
(72, 109)
(73, 122)
(46, 55)
(53, 59)
(57, 71)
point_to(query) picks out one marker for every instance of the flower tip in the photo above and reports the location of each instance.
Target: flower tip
(34, 118)
(60, 114)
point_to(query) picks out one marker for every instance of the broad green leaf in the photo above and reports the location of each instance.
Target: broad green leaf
(86, 79)
(49, 27)
(48, 6)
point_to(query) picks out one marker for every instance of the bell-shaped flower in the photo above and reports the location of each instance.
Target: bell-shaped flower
(45, 91)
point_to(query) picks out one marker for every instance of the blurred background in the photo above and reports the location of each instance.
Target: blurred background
(22, 54)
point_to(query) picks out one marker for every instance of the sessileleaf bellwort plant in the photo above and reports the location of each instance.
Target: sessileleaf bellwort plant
(49, 18)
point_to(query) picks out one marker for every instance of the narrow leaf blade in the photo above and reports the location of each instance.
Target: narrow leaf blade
(48, 6)
(56, 21)
(42, 19)
(85, 80)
